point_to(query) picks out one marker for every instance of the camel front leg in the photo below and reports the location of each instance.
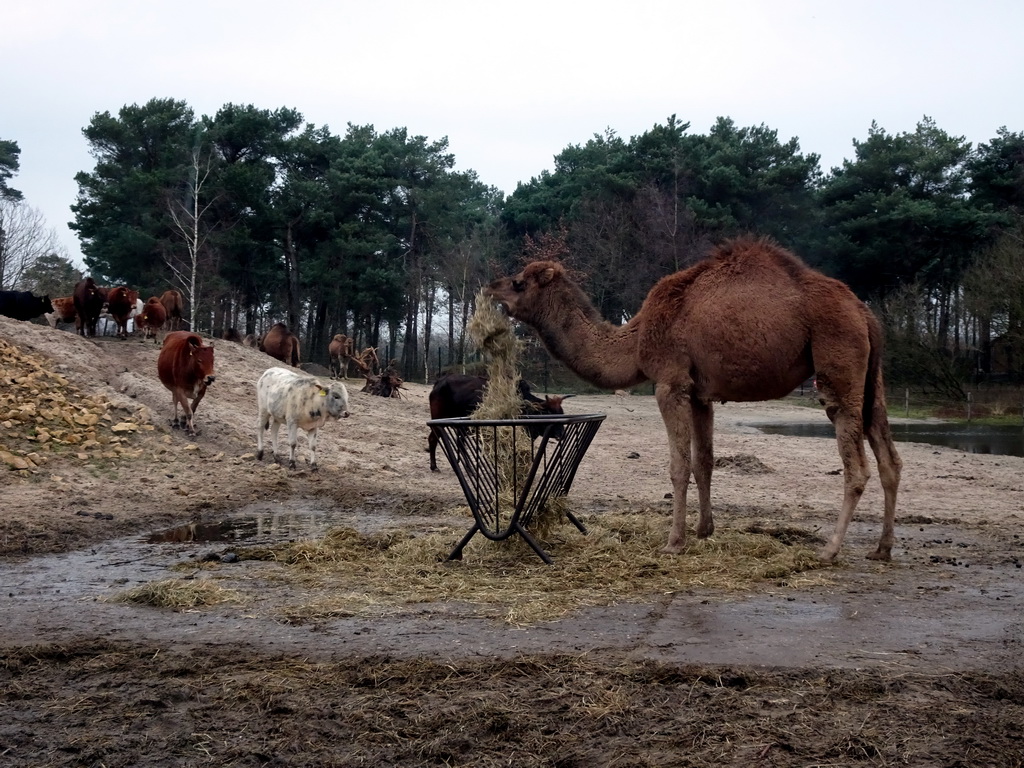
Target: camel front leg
(703, 415)
(674, 404)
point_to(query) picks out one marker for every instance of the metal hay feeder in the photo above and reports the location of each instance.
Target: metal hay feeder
(503, 507)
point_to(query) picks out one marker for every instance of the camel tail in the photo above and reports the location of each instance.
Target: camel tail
(874, 387)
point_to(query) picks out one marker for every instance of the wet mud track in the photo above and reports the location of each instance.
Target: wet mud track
(914, 662)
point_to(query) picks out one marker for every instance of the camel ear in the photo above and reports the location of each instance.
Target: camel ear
(546, 275)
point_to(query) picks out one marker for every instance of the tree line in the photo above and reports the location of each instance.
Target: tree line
(257, 216)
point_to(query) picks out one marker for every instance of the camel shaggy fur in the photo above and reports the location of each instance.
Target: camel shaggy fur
(747, 324)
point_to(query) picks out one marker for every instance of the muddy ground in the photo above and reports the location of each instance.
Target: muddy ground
(914, 662)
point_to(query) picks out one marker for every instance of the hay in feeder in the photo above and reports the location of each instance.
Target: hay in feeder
(492, 334)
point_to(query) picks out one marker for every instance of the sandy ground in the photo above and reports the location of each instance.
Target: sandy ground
(88, 682)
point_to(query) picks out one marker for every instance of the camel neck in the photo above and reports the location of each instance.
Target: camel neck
(597, 351)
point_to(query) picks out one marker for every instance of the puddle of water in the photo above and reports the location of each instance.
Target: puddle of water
(1005, 440)
(261, 525)
(269, 523)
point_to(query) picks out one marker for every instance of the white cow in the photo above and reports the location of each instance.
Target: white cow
(296, 400)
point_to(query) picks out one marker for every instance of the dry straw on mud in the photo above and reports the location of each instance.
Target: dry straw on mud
(618, 561)
(177, 594)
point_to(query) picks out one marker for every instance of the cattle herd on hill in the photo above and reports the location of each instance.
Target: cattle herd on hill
(285, 397)
(185, 365)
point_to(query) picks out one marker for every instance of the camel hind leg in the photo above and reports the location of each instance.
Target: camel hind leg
(703, 462)
(890, 468)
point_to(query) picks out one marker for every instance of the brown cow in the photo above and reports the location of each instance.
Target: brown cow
(152, 318)
(282, 344)
(185, 367)
(458, 394)
(340, 349)
(89, 299)
(63, 311)
(171, 300)
(120, 305)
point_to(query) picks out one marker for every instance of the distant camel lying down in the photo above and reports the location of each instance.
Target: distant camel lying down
(747, 324)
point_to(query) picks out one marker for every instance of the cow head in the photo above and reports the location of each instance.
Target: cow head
(336, 399)
(203, 355)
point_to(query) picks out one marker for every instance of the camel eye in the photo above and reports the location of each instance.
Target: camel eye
(519, 285)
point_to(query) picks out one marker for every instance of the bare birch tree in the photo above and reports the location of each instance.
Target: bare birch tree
(187, 215)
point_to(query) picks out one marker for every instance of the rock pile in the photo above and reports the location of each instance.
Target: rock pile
(42, 415)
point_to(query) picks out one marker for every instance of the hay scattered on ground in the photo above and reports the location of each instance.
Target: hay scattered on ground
(618, 561)
(178, 594)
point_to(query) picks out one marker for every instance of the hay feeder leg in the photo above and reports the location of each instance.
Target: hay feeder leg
(505, 499)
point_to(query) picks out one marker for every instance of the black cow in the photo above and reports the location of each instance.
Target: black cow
(457, 394)
(23, 305)
(89, 300)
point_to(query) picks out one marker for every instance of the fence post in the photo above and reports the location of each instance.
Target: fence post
(968, 407)
(907, 401)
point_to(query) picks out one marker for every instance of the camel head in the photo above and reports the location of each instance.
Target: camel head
(521, 294)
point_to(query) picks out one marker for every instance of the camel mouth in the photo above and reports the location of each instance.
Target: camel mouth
(500, 304)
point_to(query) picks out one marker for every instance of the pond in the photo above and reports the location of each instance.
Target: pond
(1007, 440)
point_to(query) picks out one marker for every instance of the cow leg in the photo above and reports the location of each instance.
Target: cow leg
(275, 425)
(432, 447)
(188, 418)
(311, 438)
(198, 399)
(293, 439)
(186, 414)
(261, 425)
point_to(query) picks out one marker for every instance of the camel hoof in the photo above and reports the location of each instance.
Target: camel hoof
(703, 533)
(880, 555)
(672, 549)
(827, 557)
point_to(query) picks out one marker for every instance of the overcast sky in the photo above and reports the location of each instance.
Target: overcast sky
(510, 84)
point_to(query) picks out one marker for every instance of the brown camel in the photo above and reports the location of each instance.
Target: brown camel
(280, 343)
(340, 350)
(747, 324)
